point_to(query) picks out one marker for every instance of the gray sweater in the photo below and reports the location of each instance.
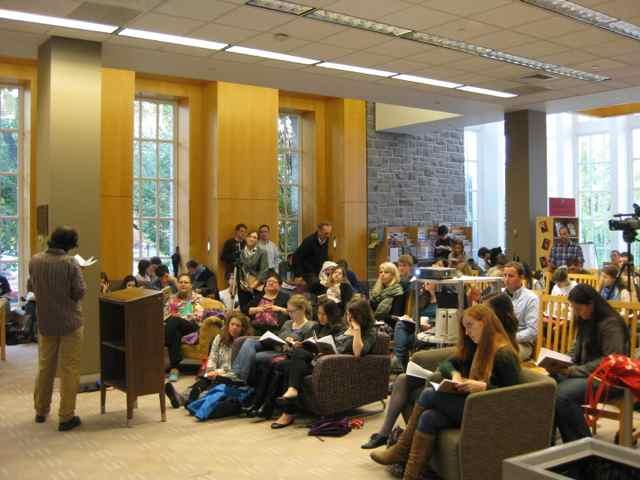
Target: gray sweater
(300, 334)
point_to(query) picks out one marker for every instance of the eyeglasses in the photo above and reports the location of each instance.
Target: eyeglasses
(292, 310)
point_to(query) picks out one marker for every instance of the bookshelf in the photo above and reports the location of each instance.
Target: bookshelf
(132, 346)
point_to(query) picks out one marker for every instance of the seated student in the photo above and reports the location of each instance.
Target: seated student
(105, 285)
(575, 265)
(358, 340)
(484, 254)
(204, 280)
(228, 296)
(293, 331)
(600, 332)
(497, 268)
(561, 283)
(165, 280)
(184, 315)
(405, 269)
(612, 289)
(338, 288)
(320, 286)
(218, 363)
(457, 255)
(485, 359)
(387, 297)
(129, 282)
(270, 383)
(526, 304)
(404, 333)
(352, 277)
(143, 277)
(404, 384)
(268, 309)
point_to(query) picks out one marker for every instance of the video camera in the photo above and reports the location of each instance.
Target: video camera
(627, 223)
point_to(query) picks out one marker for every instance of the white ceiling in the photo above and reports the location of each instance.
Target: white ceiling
(507, 25)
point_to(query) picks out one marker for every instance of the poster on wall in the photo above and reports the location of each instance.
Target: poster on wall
(562, 207)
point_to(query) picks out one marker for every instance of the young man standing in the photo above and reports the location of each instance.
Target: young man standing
(273, 251)
(57, 282)
(231, 249)
(526, 306)
(312, 253)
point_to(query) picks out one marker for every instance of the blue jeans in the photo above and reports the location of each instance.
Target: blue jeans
(404, 337)
(569, 416)
(442, 411)
(251, 353)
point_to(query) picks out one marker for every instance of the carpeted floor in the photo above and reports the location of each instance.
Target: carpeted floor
(103, 448)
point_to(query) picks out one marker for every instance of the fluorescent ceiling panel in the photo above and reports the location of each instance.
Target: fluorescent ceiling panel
(427, 81)
(280, 6)
(356, 22)
(271, 55)
(356, 69)
(486, 91)
(174, 39)
(589, 16)
(56, 21)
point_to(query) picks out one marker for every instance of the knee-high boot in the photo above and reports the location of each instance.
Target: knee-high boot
(399, 452)
(420, 454)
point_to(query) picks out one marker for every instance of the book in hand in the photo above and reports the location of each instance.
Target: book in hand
(404, 318)
(270, 339)
(85, 263)
(447, 386)
(415, 370)
(550, 360)
(324, 345)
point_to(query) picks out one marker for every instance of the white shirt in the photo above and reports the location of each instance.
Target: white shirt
(526, 306)
(273, 253)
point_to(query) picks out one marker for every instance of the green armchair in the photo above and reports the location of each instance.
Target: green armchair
(497, 424)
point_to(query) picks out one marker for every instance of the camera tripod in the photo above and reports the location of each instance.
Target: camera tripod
(629, 236)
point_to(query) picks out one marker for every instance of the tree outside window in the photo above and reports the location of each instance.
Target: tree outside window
(10, 188)
(154, 179)
(289, 162)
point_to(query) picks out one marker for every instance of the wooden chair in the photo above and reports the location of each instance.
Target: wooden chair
(620, 408)
(3, 329)
(555, 325)
(591, 280)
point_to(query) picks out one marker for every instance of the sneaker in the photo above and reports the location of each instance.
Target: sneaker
(376, 440)
(174, 397)
(69, 424)
(173, 375)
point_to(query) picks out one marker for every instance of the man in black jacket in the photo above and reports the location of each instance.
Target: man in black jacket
(203, 280)
(312, 253)
(232, 248)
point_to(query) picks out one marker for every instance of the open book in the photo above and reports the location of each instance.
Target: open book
(447, 386)
(270, 339)
(550, 360)
(320, 345)
(404, 318)
(85, 263)
(415, 370)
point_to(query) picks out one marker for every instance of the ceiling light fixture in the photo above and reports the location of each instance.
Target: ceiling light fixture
(56, 21)
(271, 55)
(427, 81)
(175, 39)
(280, 6)
(588, 15)
(436, 40)
(356, 22)
(356, 69)
(486, 91)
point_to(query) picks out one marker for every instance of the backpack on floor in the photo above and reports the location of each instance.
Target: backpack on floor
(220, 401)
(335, 427)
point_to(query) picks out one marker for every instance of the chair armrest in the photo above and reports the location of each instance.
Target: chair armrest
(491, 416)
(342, 382)
(430, 359)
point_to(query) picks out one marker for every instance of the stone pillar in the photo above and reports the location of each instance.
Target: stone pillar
(68, 167)
(525, 179)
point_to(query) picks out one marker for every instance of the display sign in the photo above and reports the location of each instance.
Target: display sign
(562, 207)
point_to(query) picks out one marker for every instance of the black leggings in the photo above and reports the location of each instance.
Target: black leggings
(174, 330)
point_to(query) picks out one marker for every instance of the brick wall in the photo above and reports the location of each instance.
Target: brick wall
(413, 180)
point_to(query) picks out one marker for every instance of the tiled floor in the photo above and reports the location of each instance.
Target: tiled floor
(103, 448)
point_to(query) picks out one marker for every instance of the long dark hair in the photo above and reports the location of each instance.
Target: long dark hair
(361, 313)
(502, 306)
(333, 313)
(583, 294)
(227, 339)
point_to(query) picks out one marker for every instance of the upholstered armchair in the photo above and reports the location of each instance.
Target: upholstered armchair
(211, 326)
(497, 424)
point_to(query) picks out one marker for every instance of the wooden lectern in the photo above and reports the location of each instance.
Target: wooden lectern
(132, 346)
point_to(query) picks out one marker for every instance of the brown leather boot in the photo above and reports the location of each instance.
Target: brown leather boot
(420, 454)
(399, 452)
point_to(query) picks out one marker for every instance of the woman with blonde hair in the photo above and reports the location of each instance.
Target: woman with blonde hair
(485, 359)
(387, 297)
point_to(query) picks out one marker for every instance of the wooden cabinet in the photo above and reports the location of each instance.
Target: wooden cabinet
(132, 345)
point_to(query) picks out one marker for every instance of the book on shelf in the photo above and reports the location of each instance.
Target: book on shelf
(447, 386)
(85, 263)
(550, 360)
(415, 370)
(322, 345)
